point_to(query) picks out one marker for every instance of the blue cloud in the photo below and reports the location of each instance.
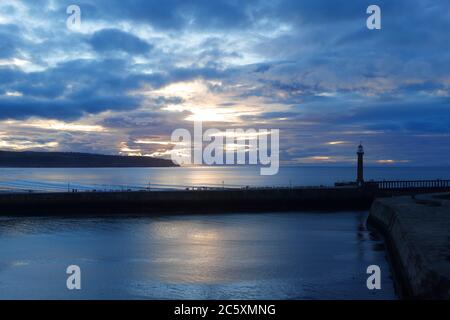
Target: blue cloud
(115, 40)
(179, 14)
(23, 108)
(10, 41)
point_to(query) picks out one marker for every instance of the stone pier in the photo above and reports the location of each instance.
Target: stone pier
(417, 230)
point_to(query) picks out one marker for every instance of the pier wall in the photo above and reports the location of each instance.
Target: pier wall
(417, 231)
(190, 201)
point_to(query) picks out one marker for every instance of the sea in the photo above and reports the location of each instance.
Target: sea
(274, 255)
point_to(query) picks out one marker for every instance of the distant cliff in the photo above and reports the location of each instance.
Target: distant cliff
(31, 159)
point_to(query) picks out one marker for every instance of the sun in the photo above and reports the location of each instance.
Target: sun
(211, 115)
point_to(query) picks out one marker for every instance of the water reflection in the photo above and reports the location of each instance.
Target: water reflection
(264, 256)
(189, 251)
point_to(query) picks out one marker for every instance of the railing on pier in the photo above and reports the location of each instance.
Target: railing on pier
(413, 184)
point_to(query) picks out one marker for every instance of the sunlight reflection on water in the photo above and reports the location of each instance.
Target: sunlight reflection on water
(266, 256)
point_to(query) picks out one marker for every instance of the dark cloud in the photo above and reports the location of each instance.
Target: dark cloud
(10, 41)
(108, 40)
(10, 75)
(178, 14)
(23, 108)
(78, 87)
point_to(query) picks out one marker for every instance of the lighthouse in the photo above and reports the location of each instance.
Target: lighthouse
(360, 173)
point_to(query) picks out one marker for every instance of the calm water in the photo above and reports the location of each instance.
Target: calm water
(242, 256)
(267, 256)
(161, 178)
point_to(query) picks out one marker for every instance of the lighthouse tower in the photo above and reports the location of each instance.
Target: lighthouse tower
(360, 173)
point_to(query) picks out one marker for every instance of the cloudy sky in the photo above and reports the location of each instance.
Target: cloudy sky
(134, 72)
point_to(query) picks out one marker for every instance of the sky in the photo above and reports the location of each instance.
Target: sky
(135, 71)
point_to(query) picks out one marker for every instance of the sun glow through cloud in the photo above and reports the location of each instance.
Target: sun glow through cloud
(390, 161)
(208, 101)
(333, 143)
(197, 99)
(56, 125)
(15, 144)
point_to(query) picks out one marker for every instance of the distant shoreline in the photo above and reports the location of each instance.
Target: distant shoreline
(31, 159)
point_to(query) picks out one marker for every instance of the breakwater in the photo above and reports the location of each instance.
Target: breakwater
(240, 200)
(208, 200)
(418, 237)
